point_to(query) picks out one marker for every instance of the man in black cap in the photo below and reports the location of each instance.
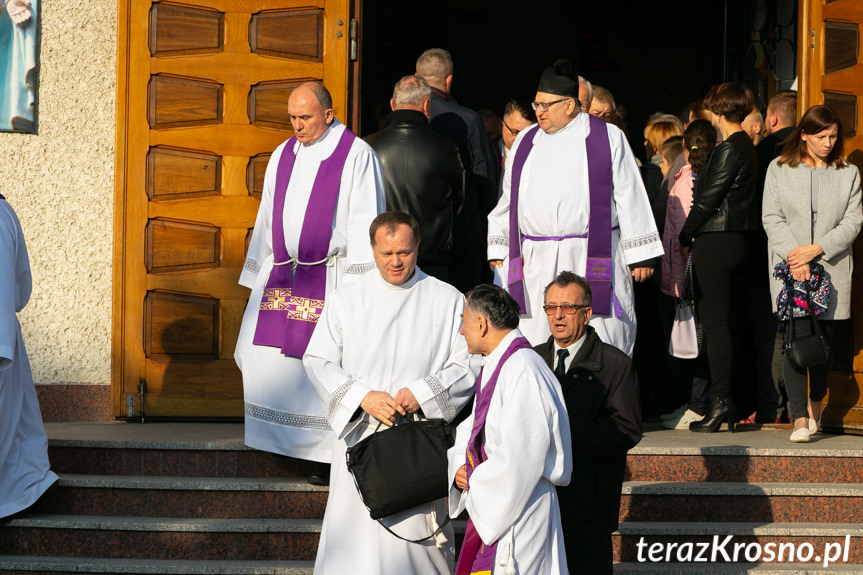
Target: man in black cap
(587, 211)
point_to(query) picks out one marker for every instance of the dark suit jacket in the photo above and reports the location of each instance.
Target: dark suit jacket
(602, 399)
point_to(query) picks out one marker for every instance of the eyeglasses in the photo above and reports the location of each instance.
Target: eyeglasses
(511, 131)
(566, 308)
(543, 106)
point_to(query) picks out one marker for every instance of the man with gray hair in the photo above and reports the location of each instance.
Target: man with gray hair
(600, 390)
(464, 128)
(585, 94)
(423, 175)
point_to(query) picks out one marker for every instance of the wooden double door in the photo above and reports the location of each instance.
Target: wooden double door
(202, 102)
(831, 72)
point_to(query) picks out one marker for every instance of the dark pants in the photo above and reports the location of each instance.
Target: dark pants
(591, 554)
(761, 325)
(796, 381)
(719, 260)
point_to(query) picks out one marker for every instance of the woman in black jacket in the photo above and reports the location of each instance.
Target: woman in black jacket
(720, 228)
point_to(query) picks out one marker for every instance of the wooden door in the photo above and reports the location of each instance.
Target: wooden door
(831, 73)
(202, 102)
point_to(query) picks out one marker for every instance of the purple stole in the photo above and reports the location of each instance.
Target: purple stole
(292, 302)
(599, 270)
(475, 556)
(2, 197)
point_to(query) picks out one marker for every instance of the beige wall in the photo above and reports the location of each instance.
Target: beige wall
(61, 183)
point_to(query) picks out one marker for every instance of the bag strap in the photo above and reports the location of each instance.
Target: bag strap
(816, 329)
(435, 532)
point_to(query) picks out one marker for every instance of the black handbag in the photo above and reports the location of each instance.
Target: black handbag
(402, 466)
(806, 350)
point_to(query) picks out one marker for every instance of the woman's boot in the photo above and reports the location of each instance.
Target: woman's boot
(719, 409)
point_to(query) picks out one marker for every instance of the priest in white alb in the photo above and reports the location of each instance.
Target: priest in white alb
(25, 474)
(511, 451)
(387, 345)
(322, 188)
(573, 199)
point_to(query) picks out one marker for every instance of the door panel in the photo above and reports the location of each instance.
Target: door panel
(202, 102)
(832, 74)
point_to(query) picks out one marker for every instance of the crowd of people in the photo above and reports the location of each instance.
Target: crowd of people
(590, 255)
(501, 274)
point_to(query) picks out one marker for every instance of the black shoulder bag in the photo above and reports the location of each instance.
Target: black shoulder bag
(401, 467)
(806, 350)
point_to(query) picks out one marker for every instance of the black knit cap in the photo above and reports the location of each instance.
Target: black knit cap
(559, 79)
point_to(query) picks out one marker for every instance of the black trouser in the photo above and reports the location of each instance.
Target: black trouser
(795, 381)
(719, 260)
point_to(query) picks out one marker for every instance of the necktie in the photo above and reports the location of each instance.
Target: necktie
(561, 364)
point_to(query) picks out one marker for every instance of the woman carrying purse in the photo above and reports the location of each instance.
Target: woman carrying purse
(812, 213)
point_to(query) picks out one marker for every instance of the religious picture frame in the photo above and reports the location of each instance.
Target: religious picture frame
(19, 27)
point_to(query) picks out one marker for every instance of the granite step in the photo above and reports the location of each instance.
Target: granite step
(767, 502)
(751, 541)
(161, 538)
(11, 564)
(184, 459)
(740, 463)
(195, 497)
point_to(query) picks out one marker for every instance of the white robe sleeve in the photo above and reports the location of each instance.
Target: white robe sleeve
(456, 458)
(340, 392)
(498, 219)
(441, 395)
(638, 232)
(8, 289)
(367, 200)
(260, 253)
(527, 439)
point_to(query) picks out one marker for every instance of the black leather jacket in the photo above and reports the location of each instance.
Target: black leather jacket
(424, 177)
(724, 198)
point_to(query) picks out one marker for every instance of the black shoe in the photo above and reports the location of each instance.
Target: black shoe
(321, 478)
(718, 410)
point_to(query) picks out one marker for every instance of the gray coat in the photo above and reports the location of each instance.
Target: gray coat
(787, 216)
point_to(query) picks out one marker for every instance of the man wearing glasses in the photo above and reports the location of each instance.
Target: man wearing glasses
(600, 390)
(583, 207)
(516, 117)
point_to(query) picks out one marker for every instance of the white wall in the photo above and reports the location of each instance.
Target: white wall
(61, 183)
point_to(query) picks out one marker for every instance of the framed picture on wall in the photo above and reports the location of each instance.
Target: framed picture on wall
(18, 71)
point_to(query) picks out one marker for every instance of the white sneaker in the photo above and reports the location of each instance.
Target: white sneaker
(800, 435)
(683, 421)
(674, 414)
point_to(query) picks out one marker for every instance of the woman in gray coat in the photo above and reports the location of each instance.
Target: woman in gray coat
(812, 213)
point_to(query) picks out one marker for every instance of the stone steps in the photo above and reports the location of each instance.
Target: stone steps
(197, 497)
(810, 542)
(191, 498)
(766, 502)
(118, 537)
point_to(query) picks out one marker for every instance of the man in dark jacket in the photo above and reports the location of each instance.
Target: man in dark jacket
(463, 127)
(423, 175)
(779, 122)
(600, 389)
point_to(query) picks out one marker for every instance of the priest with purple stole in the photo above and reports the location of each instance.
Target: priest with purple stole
(511, 451)
(573, 199)
(322, 188)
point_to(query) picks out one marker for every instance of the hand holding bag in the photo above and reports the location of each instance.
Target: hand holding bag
(808, 350)
(401, 467)
(685, 342)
